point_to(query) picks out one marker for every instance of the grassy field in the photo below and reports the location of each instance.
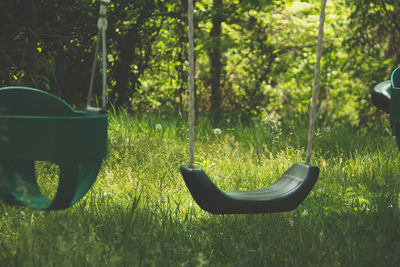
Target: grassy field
(139, 212)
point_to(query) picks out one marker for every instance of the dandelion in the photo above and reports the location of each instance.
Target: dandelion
(159, 127)
(217, 131)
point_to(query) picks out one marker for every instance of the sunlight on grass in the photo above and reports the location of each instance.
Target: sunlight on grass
(48, 175)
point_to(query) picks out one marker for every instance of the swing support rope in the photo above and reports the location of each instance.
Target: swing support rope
(101, 39)
(315, 84)
(191, 83)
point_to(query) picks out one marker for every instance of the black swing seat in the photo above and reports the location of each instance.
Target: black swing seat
(386, 96)
(284, 195)
(38, 126)
(380, 95)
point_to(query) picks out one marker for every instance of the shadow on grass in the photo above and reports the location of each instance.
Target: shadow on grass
(142, 233)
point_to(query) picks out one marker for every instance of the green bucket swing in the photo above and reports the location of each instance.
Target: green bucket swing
(38, 126)
(284, 195)
(386, 97)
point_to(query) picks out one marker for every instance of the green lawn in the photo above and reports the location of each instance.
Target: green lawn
(139, 212)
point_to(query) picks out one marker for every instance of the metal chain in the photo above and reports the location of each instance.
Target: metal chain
(101, 40)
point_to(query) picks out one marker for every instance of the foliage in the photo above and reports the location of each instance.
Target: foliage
(260, 59)
(371, 44)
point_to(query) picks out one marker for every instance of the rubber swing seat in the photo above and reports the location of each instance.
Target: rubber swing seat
(380, 95)
(386, 97)
(38, 126)
(284, 195)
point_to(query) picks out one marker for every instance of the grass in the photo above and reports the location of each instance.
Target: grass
(139, 212)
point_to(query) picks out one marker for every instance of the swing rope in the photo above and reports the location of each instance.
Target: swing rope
(101, 39)
(316, 82)
(191, 83)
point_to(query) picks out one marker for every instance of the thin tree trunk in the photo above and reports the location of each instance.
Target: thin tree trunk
(123, 88)
(216, 59)
(31, 43)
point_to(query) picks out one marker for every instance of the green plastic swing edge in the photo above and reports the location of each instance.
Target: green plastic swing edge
(284, 195)
(38, 126)
(386, 97)
(394, 114)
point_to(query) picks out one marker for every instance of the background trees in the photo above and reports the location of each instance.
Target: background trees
(253, 58)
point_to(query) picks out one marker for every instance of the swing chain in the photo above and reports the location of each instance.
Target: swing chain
(102, 22)
(101, 39)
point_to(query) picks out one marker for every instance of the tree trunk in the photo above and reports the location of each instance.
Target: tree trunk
(32, 40)
(216, 59)
(123, 68)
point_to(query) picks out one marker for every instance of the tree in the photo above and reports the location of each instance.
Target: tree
(215, 54)
(135, 28)
(32, 40)
(375, 36)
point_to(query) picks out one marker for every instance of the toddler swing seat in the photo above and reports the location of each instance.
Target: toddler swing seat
(38, 126)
